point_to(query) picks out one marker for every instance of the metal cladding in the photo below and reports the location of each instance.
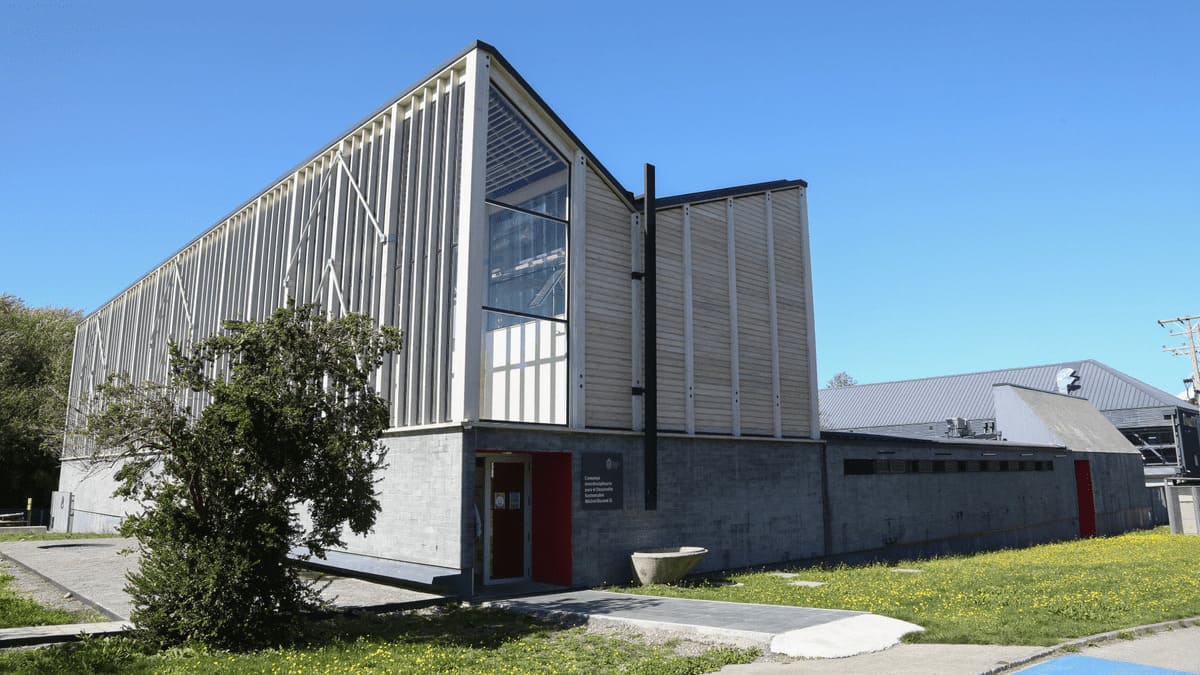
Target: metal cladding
(367, 225)
(467, 215)
(969, 395)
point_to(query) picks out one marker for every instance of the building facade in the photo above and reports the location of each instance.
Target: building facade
(468, 215)
(1161, 426)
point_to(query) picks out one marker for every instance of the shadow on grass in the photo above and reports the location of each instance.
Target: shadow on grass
(487, 629)
(445, 626)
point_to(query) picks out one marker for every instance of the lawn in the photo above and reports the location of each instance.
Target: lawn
(441, 640)
(1034, 596)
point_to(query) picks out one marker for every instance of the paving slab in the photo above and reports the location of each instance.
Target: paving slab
(795, 631)
(40, 635)
(93, 570)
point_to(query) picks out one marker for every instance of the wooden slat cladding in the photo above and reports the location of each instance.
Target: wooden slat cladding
(608, 343)
(710, 312)
(368, 226)
(790, 278)
(669, 269)
(754, 317)
(761, 224)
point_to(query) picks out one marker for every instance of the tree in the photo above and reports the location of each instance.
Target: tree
(281, 458)
(35, 369)
(842, 379)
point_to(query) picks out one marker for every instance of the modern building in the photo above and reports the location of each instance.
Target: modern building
(1161, 426)
(466, 213)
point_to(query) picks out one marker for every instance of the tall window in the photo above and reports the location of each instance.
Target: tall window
(524, 361)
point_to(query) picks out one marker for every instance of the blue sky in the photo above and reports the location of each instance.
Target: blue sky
(991, 184)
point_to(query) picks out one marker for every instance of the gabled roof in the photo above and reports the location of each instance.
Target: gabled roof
(969, 396)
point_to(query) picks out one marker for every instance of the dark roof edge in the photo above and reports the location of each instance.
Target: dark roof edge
(721, 193)
(537, 98)
(1040, 391)
(953, 375)
(912, 440)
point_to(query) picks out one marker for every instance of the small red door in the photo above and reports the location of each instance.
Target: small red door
(552, 518)
(508, 502)
(1087, 504)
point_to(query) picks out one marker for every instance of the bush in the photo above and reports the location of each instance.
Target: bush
(281, 457)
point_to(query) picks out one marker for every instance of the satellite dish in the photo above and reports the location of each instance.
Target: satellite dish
(1065, 381)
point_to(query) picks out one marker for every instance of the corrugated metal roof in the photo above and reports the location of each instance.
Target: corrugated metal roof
(934, 399)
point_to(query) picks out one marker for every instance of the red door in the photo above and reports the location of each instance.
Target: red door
(552, 518)
(508, 502)
(1087, 504)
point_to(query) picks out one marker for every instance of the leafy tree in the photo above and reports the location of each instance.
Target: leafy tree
(842, 379)
(35, 369)
(281, 458)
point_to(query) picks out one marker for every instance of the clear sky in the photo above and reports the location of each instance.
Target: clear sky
(992, 184)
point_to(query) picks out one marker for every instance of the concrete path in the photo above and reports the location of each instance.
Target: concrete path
(94, 571)
(903, 659)
(1166, 651)
(91, 569)
(40, 635)
(794, 631)
(1171, 650)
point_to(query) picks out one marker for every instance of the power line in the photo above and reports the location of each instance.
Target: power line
(1190, 331)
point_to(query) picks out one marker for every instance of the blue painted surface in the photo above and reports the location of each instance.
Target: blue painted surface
(1087, 665)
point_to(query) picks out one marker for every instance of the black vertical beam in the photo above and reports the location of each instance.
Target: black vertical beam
(650, 345)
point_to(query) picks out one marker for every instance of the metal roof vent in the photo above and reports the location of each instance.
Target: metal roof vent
(1066, 381)
(957, 427)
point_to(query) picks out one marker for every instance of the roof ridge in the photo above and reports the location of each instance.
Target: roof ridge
(1146, 388)
(944, 377)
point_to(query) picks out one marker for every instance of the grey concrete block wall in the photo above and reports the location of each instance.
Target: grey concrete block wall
(1118, 486)
(421, 495)
(933, 513)
(749, 501)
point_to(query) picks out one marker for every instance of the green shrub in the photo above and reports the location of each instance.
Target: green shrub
(290, 424)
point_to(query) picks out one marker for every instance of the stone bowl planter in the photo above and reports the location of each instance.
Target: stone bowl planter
(664, 565)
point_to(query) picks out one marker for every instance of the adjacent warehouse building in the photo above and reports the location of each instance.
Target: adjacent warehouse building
(466, 213)
(1161, 426)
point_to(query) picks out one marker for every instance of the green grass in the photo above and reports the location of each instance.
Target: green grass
(48, 536)
(454, 640)
(1035, 596)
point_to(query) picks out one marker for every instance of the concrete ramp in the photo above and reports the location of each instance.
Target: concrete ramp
(845, 637)
(794, 631)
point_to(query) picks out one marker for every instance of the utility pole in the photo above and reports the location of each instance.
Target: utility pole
(1191, 324)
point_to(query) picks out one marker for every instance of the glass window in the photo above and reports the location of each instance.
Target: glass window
(527, 263)
(524, 369)
(522, 169)
(524, 364)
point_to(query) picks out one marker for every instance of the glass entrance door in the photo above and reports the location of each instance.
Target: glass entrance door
(507, 524)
